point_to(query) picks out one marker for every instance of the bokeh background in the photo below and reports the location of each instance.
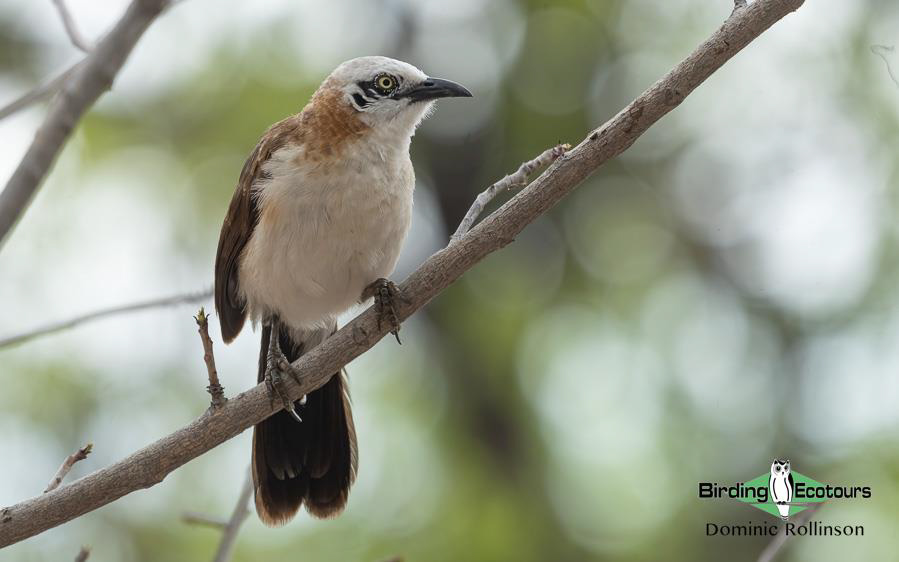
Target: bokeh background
(725, 292)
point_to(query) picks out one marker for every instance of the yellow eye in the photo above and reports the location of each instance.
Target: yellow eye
(385, 82)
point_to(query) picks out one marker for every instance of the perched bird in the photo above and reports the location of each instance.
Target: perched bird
(315, 226)
(780, 484)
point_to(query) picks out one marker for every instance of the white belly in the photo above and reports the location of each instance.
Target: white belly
(323, 235)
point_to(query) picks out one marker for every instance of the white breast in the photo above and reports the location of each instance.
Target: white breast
(326, 230)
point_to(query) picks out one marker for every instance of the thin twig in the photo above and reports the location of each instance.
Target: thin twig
(50, 87)
(67, 465)
(71, 29)
(238, 516)
(151, 464)
(75, 98)
(184, 298)
(781, 538)
(518, 179)
(880, 51)
(194, 518)
(83, 554)
(39, 93)
(215, 388)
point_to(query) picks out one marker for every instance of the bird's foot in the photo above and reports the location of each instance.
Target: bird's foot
(386, 295)
(276, 366)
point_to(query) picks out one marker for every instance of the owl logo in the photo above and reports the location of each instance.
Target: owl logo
(780, 484)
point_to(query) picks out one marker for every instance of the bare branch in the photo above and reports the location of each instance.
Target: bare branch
(77, 95)
(153, 463)
(185, 298)
(882, 51)
(71, 29)
(238, 516)
(39, 93)
(229, 527)
(518, 179)
(781, 538)
(50, 87)
(83, 554)
(67, 465)
(215, 388)
(195, 518)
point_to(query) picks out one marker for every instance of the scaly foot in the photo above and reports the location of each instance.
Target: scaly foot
(386, 295)
(276, 365)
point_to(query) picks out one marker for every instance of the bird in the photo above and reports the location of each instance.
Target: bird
(315, 226)
(780, 483)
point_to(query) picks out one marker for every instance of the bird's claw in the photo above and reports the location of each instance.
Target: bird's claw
(386, 294)
(276, 365)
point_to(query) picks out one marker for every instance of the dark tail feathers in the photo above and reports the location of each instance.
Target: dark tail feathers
(313, 461)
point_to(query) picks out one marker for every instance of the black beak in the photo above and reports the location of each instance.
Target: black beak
(435, 88)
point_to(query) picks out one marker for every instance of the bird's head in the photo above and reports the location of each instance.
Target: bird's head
(387, 94)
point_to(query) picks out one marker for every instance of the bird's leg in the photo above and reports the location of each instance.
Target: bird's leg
(275, 363)
(386, 294)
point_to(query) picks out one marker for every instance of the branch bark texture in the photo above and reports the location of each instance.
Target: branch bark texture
(77, 95)
(153, 463)
(215, 388)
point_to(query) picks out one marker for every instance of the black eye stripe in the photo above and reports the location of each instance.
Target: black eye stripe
(372, 91)
(360, 101)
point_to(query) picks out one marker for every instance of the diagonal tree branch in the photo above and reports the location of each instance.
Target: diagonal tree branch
(185, 298)
(153, 463)
(77, 95)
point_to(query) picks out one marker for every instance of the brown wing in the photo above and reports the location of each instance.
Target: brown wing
(238, 227)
